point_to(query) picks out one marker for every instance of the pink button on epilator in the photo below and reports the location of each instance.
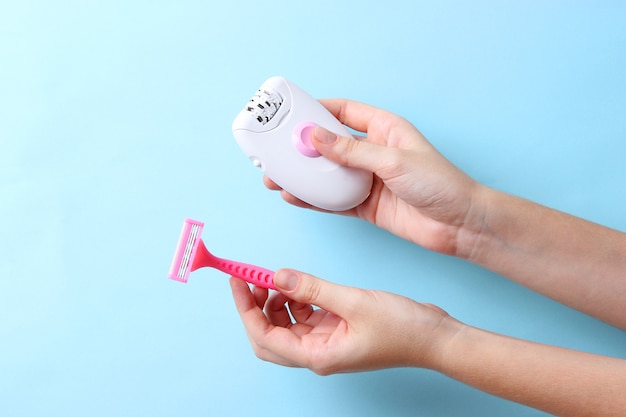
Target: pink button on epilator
(302, 135)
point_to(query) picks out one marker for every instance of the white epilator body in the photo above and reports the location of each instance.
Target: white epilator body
(274, 130)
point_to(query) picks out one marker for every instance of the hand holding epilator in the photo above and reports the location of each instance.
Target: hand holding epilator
(274, 130)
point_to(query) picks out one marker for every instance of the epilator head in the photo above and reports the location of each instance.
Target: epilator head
(264, 105)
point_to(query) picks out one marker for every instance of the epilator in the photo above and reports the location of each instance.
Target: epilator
(274, 130)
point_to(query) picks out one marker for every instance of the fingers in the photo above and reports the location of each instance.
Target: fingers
(289, 198)
(271, 184)
(295, 201)
(310, 290)
(301, 312)
(276, 310)
(260, 296)
(356, 153)
(247, 306)
(385, 132)
(270, 343)
(352, 113)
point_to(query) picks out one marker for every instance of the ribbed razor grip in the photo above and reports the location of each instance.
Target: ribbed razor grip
(253, 274)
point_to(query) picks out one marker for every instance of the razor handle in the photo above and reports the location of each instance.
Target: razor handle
(253, 274)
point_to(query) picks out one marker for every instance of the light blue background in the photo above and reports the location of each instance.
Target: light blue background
(115, 125)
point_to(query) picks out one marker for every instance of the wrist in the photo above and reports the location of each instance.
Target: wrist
(473, 230)
(439, 345)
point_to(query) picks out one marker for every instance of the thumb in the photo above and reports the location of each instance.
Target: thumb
(308, 289)
(354, 153)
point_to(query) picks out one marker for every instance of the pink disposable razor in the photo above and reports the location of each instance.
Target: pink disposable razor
(191, 254)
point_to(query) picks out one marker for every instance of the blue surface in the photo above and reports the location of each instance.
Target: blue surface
(115, 125)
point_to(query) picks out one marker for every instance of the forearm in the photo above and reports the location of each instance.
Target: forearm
(560, 381)
(569, 259)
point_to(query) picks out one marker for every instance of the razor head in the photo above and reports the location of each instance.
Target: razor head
(186, 251)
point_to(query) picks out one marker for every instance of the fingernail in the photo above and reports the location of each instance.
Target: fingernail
(286, 280)
(324, 135)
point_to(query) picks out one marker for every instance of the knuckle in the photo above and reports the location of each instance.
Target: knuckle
(323, 362)
(351, 147)
(321, 371)
(259, 352)
(311, 291)
(321, 367)
(391, 163)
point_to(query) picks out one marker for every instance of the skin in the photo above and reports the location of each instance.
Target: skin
(420, 196)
